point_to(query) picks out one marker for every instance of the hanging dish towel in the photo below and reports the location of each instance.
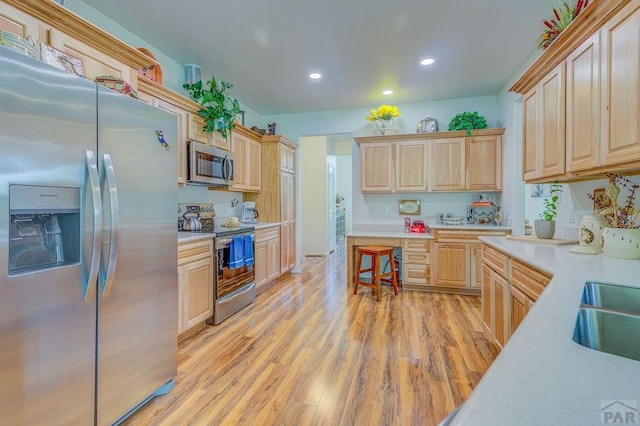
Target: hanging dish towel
(236, 253)
(248, 250)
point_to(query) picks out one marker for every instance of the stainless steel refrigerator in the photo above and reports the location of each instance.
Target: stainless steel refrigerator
(88, 250)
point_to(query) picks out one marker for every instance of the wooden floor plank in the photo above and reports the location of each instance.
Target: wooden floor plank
(309, 352)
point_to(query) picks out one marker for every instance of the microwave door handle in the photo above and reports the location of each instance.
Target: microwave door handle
(108, 272)
(227, 168)
(89, 287)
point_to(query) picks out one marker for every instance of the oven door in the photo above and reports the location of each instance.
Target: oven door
(209, 165)
(230, 281)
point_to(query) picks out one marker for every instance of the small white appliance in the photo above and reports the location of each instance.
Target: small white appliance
(249, 212)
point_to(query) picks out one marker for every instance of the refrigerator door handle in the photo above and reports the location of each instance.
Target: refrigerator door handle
(89, 287)
(108, 272)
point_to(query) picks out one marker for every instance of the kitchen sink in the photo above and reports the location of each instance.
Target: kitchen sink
(612, 296)
(612, 332)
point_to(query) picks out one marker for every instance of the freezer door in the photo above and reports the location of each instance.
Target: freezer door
(47, 329)
(138, 307)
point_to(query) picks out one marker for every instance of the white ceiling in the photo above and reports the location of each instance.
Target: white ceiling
(267, 48)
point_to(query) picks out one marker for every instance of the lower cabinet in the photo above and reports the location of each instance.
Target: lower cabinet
(457, 259)
(509, 290)
(267, 255)
(195, 283)
(416, 263)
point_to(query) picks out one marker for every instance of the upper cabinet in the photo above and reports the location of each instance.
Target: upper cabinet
(20, 23)
(441, 161)
(581, 98)
(245, 146)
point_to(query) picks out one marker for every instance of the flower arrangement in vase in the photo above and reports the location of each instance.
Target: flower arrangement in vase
(384, 118)
(563, 16)
(622, 239)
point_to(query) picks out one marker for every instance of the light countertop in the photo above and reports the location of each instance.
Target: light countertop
(390, 234)
(542, 376)
(396, 231)
(190, 237)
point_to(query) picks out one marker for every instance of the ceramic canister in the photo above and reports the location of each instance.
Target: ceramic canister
(591, 231)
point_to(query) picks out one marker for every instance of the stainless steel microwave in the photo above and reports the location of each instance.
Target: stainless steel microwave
(208, 165)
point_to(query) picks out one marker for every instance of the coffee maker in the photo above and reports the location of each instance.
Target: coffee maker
(249, 212)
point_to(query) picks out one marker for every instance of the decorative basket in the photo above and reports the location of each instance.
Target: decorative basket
(152, 72)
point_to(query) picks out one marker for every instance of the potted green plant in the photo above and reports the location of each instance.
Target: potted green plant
(468, 121)
(545, 227)
(219, 109)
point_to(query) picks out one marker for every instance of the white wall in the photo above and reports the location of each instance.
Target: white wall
(313, 190)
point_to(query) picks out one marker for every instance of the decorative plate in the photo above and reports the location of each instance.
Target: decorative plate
(152, 72)
(409, 207)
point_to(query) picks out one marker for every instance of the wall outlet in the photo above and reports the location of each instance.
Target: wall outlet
(389, 208)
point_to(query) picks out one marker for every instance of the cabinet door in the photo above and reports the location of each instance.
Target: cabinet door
(199, 291)
(181, 144)
(195, 123)
(583, 106)
(287, 159)
(273, 266)
(530, 142)
(484, 163)
(519, 305)
(254, 157)
(261, 258)
(291, 249)
(447, 164)
(499, 291)
(95, 63)
(452, 264)
(376, 171)
(284, 246)
(239, 148)
(620, 137)
(486, 299)
(552, 115)
(476, 266)
(221, 142)
(19, 23)
(411, 166)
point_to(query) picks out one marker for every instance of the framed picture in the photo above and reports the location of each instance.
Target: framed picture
(409, 207)
(61, 60)
(540, 190)
(600, 199)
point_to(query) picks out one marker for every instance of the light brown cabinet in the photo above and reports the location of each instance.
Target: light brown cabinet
(195, 283)
(483, 161)
(581, 98)
(195, 124)
(95, 62)
(583, 106)
(448, 160)
(267, 255)
(276, 200)
(509, 289)
(621, 87)
(441, 161)
(457, 258)
(20, 23)
(544, 128)
(416, 263)
(245, 146)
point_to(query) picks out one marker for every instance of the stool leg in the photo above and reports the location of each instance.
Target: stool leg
(376, 271)
(356, 275)
(394, 278)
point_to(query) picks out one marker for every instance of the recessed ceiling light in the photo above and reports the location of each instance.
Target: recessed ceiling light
(387, 92)
(315, 75)
(427, 61)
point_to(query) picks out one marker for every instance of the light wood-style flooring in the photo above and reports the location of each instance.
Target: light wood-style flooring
(309, 352)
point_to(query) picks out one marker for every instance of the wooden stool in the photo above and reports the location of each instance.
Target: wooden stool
(375, 252)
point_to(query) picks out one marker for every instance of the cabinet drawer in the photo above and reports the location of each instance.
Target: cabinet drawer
(189, 251)
(447, 236)
(267, 234)
(416, 258)
(499, 262)
(414, 245)
(376, 241)
(416, 274)
(528, 280)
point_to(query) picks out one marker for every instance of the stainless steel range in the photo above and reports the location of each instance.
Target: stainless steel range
(234, 280)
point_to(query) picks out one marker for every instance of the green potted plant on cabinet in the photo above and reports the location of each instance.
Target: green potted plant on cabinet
(219, 109)
(545, 227)
(468, 121)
